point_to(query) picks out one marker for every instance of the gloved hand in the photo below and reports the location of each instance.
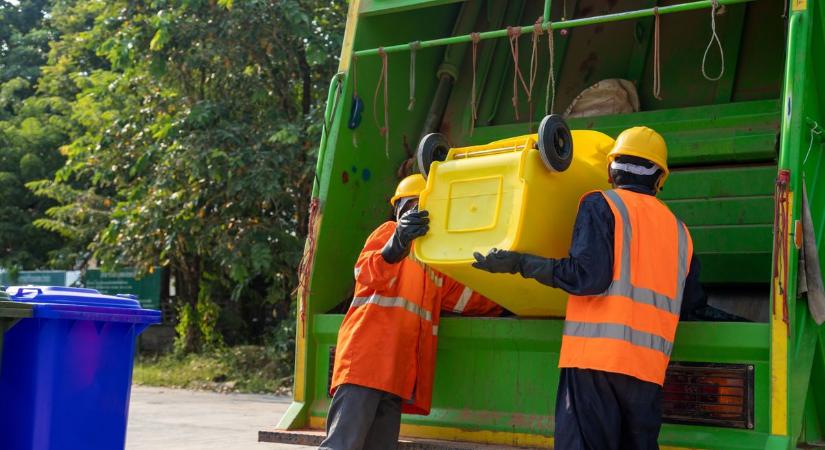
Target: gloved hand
(411, 225)
(498, 261)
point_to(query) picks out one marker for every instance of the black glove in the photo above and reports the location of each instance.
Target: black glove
(498, 261)
(540, 269)
(710, 314)
(411, 225)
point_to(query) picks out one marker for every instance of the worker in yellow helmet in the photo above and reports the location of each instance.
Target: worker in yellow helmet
(385, 355)
(630, 274)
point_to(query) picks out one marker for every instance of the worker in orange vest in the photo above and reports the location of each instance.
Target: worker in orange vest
(385, 356)
(630, 273)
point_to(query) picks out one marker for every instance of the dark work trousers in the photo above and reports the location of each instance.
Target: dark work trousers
(361, 418)
(598, 410)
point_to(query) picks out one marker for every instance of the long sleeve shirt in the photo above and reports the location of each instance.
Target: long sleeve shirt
(588, 270)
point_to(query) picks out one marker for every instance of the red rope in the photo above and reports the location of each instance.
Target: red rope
(307, 261)
(781, 248)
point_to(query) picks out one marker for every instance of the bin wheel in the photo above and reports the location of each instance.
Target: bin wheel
(433, 147)
(555, 143)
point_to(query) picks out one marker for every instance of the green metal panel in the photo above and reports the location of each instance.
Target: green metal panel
(729, 211)
(700, 135)
(763, 46)
(813, 431)
(500, 374)
(804, 107)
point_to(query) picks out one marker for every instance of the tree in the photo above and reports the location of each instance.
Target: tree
(198, 142)
(29, 140)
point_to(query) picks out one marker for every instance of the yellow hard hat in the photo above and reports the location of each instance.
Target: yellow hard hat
(410, 186)
(645, 143)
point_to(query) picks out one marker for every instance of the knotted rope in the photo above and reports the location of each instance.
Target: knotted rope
(534, 67)
(714, 37)
(550, 96)
(414, 46)
(816, 130)
(514, 33)
(382, 80)
(476, 38)
(657, 65)
(307, 260)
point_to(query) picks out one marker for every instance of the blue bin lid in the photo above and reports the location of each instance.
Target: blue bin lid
(82, 303)
(59, 295)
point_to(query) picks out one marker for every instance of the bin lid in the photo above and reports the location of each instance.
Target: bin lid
(82, 303)
(59, 295)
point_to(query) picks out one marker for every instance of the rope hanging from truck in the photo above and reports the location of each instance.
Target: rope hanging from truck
(550, 95)
(414, 46)
(657, 65)
(514, 33)
(307, 260)
(714, 37)
(564, 25)
(780, 245)
(816, 131)
(476, 38)
(382, 80)
(534, 67)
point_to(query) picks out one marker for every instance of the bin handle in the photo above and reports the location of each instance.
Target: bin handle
(488, 151)
(22, 290)
(530, 144)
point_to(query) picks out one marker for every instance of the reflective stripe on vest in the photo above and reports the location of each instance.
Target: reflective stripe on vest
(392, 302)
(623, 287)
(618, 331)
(463, 300)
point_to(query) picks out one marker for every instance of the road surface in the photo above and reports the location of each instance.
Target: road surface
(175, 419)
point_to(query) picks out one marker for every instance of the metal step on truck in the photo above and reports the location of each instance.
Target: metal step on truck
(736, 87)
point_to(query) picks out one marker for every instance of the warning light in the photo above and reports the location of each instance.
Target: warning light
(709, 394)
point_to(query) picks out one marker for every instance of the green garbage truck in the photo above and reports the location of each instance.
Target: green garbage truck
(736, 87)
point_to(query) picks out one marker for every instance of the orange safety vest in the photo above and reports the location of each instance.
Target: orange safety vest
(388, 338)
(630, 328)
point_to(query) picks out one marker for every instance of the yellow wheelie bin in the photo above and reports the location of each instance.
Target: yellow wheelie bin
(518, 194)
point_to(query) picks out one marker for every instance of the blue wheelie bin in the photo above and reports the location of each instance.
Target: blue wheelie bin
(66, 372)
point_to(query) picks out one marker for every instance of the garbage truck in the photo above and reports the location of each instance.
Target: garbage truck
(737, 89)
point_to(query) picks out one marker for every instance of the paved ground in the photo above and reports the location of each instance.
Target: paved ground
(173, 419)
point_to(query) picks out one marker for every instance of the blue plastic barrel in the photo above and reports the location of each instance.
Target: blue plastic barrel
(66, 372)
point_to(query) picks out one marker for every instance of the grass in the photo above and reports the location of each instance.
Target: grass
(238, 369)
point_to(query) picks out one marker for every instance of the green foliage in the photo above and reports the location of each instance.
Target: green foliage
(29, 139)
(173, 133)
(199, 322)
(187, 320)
